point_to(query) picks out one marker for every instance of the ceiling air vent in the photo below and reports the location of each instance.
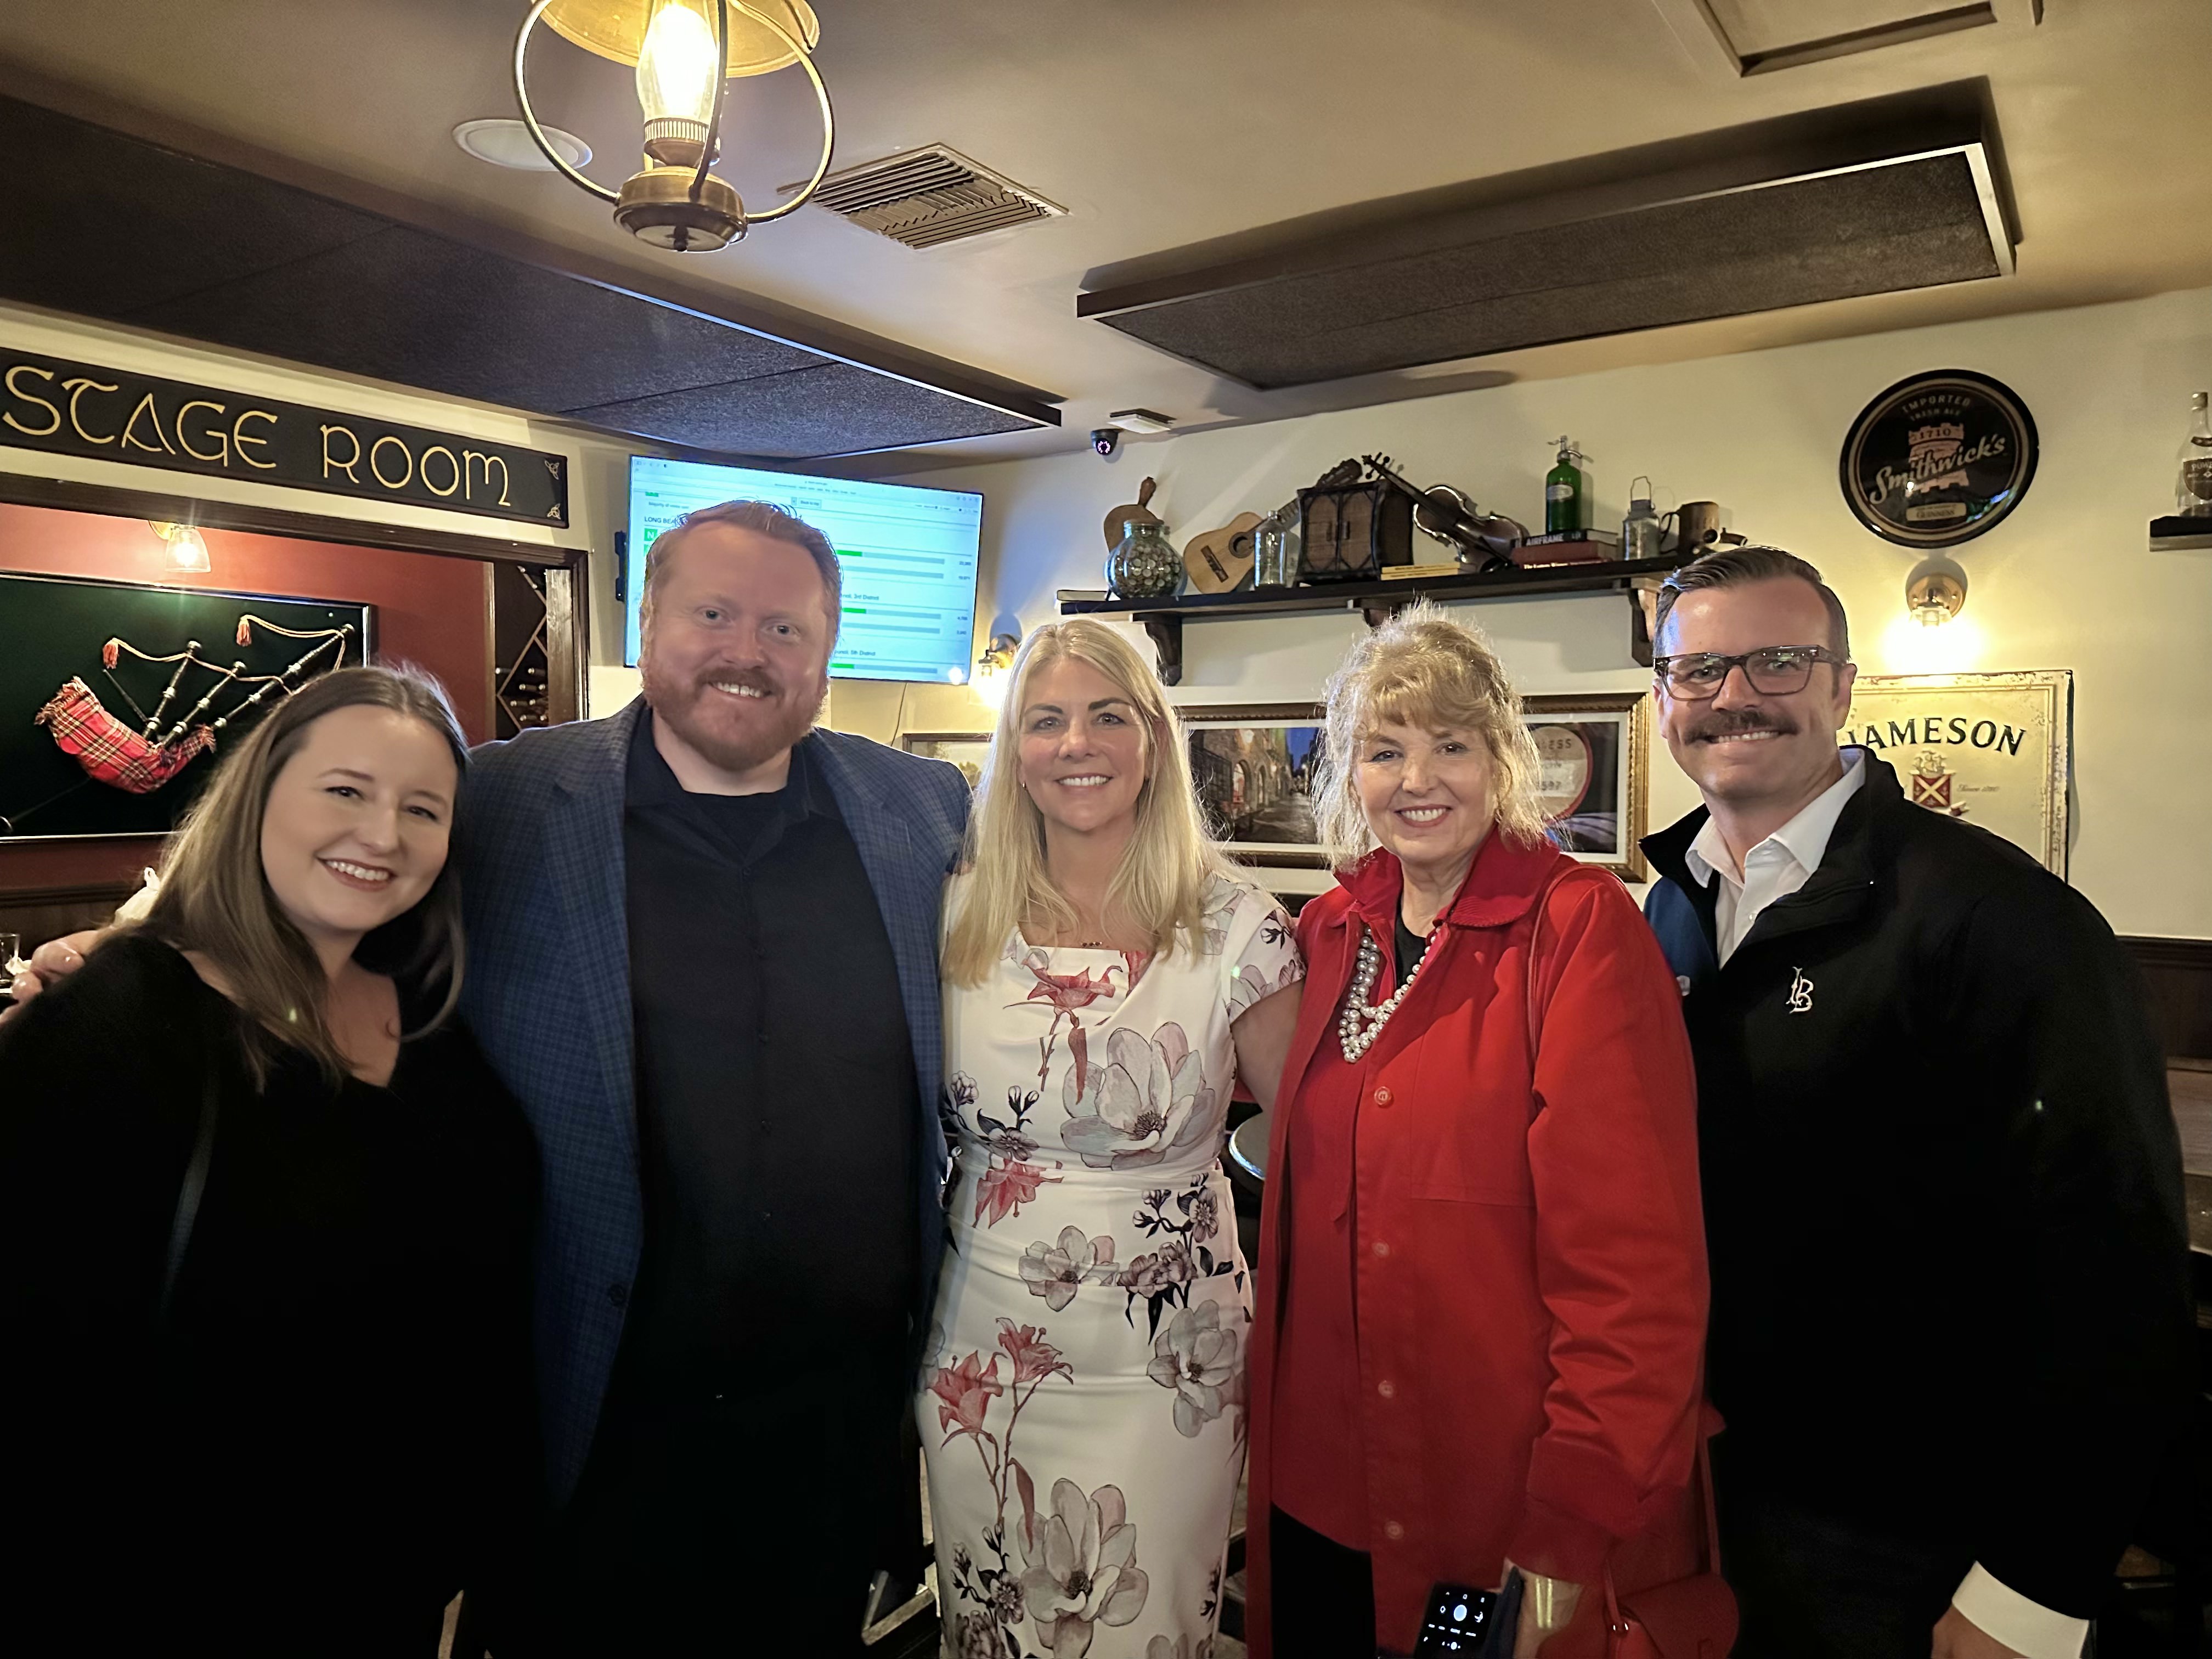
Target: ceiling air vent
(924, 198)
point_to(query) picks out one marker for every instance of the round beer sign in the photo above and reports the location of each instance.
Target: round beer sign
(1939, 458)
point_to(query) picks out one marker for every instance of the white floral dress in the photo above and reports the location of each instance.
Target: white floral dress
(1083, 1401)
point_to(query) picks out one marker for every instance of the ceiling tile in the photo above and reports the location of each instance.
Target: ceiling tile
(414, 308)
(836, 410)
(121, 224)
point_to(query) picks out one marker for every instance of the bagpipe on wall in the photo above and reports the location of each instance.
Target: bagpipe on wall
(115, 697)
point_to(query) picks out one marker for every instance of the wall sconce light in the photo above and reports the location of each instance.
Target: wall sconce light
(999, 655)
(186, 554)
(992, 681)
(685, 52)
(1936, 592)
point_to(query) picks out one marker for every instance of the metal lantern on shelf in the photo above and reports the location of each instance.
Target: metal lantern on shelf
(677, 46)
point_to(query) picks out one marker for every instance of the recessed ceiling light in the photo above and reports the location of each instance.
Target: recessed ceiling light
(505, 142)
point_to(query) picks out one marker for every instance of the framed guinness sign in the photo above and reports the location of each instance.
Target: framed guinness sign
(1939, 458)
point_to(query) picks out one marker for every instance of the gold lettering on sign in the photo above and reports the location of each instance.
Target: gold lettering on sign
(377, 471)
(240, 437)
(221, 452)
(146, 405)
(440, 449)
(54, 410)
(77, 387)
(350, 462)
(470, 457)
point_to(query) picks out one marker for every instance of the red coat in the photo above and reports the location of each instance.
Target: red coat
(1529, 1332)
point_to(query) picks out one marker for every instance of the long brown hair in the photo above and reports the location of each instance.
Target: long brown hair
(216, 899)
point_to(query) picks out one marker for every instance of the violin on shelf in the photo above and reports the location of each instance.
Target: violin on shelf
(1482, 541)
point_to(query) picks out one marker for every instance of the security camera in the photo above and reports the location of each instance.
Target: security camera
(1106, 440)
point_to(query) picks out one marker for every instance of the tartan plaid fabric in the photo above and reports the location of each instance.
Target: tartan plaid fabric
(110, 751)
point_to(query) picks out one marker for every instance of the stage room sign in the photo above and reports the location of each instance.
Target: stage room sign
(107, 415)
(1992, 750)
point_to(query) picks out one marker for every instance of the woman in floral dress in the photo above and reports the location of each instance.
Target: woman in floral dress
(1108, 977)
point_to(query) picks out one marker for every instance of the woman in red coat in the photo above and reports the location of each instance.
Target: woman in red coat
(1482, 1282)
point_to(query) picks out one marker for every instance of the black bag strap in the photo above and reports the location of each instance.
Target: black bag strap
(189, 1195)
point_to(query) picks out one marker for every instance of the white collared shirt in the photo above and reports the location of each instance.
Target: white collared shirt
(1778, 866)
(1773, 870)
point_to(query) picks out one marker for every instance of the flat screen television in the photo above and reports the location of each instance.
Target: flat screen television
(908, 555)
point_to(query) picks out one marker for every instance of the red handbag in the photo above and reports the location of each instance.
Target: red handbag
(1693, 1618)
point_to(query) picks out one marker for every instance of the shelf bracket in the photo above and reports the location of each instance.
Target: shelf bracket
(1376, 614)
(1642, 602)
(1167, 639)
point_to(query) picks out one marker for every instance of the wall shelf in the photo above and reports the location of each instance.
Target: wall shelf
(2180, 535)
(1164, 619)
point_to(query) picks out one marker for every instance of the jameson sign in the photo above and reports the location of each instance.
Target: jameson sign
(1993, 749)
(107, 415)
(1939, 458)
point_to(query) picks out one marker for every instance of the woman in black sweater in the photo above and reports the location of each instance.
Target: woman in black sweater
(264, 1226)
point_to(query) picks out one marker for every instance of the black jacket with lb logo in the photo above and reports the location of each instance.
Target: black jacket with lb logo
(1942, 1195)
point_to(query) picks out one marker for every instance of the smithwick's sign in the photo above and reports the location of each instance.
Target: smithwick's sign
(105, 414)
(1993, 750)
(1939, 458)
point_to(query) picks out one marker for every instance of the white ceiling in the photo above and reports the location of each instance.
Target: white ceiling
(1159, 123)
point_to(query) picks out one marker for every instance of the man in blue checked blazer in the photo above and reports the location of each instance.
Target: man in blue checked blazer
(703, 953)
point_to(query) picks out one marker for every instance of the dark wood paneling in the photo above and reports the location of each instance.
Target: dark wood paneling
(2178, 973)
(39, 915)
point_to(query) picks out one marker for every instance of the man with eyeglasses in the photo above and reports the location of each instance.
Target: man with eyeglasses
(1943, 1187)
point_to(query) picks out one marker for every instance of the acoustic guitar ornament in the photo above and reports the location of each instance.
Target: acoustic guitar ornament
(1221, 559)
(1139, 509)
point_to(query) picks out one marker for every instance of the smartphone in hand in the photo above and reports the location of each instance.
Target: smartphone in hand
(1463, 1622)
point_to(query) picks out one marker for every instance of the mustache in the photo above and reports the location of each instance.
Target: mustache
(1736, 721)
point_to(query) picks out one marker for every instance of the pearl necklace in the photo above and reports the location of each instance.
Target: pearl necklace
(1358, 1026)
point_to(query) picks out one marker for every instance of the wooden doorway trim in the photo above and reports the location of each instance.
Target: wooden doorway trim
(567, 585)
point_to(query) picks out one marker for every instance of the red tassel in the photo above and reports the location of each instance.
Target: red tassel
(244, 632)
(108, 654)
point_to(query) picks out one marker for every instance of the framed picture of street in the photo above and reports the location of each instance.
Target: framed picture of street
(1254, 766)
(966, 749)
(1591, 758)
(1995, 750)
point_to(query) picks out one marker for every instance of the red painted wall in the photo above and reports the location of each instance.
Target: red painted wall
(430, 611)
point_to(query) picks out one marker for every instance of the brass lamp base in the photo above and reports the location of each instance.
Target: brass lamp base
(656, 207)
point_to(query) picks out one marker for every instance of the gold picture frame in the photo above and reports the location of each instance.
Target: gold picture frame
(1995, 750)
(968, 750)
(1253, 765)
(1594, 751)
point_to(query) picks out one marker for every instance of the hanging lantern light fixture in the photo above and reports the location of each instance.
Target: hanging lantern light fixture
(685, 52)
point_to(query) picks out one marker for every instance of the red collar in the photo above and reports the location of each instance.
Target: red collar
(1501, 886)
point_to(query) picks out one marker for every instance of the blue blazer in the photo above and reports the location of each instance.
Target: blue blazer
(548, 997)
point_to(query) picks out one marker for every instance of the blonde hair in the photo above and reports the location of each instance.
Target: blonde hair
(1170, 859)
(216, 899)
(1424, 669)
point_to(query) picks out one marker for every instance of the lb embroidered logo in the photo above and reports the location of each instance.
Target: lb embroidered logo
(1800, 993)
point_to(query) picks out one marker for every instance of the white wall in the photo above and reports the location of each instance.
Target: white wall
(2067, 581)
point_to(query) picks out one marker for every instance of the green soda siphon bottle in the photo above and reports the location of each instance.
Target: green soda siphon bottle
(1566, 492)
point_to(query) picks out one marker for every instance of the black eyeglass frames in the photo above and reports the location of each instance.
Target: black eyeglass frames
(1774, 671)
